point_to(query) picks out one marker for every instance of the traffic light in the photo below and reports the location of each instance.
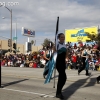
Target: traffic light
(14, 51)
(14, 46)
(8, 50)
(9, 42)
(29, 46)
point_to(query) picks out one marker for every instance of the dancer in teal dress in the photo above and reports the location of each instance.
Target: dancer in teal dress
(85, 65)
(59, 61)
(47, 56)
(61, 65)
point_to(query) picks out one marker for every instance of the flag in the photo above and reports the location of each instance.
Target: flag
(56, 34)
(52, 62)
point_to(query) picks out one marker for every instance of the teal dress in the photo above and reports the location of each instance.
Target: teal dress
(48, 56)
(87, 64)
(86, 61)
(50, 67)
(47, 64)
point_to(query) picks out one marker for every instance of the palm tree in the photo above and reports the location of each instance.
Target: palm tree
(32, 42)
(94, 37)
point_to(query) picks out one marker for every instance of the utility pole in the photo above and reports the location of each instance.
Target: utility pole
(0, 68)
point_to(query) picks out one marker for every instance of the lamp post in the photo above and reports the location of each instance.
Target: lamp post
(10, 10)
(16, 34)
(14, 38)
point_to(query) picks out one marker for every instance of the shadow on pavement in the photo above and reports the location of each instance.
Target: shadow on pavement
(55, 76)
(11, 83)
(69, 91)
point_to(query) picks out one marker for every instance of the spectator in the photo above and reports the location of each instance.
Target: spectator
(74, 61)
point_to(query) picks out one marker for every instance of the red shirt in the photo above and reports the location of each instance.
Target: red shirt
(81, 44)
(74, 58)
(35, 65)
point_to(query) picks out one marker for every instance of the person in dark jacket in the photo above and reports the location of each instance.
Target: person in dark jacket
(79, 61)
(85, 59)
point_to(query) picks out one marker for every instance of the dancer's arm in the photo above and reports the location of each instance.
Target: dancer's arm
(83, 54)
(54, 49)
(44, 55)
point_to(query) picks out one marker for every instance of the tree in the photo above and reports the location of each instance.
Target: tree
(94, 37)
(46, 42)
(32, 42)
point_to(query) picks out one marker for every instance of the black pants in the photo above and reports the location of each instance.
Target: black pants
(83, 67)
(98, 78)
(61, 79)
(74, 65)
(96, 67)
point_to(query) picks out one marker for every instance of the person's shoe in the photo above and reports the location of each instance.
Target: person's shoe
(97, 81)
(59, 96)
(78, 73)
(44, 76)
(87, 74)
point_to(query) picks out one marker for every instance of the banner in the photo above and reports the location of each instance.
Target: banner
(28, 32)
(79, 34)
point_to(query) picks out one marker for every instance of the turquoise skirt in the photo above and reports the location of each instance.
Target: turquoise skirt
(50, 67)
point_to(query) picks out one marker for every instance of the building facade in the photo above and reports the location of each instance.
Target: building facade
(20, 47)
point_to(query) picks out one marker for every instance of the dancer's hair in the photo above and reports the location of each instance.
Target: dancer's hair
(60, 35)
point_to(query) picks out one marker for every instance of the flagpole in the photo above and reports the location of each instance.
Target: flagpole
(57, 26)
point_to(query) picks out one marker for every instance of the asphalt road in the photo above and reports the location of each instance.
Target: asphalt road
(28, 84)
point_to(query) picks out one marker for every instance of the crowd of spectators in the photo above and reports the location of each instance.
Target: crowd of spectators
(73, 61)
(34, 60)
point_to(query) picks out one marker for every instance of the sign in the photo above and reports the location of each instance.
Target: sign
(9, 43)
(28, 46)
(14, 38)
(0, 51)
(0, 45)
(28, 32)
(79, 34)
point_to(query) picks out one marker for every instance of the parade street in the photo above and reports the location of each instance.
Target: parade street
(28, 84)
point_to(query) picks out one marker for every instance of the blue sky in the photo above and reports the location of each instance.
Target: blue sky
(41, 16)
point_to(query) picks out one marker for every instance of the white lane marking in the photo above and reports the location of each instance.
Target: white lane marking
(40, 94)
